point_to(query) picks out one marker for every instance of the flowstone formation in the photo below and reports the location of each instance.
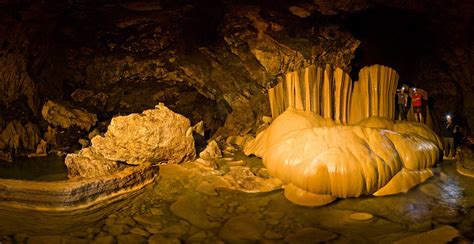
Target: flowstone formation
(336, 139)
(320, 161)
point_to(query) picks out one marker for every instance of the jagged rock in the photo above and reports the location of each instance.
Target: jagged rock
(18, 137)
(16, 81)
(199, 128)
(212, 151)
(65, 116)
(244, 227)
(156, 135)
(89, 164)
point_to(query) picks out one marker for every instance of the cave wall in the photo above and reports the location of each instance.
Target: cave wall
(209, 60)
(215, 60)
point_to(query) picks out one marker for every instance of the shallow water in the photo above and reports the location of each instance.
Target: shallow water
(177, 208)
(49, 168)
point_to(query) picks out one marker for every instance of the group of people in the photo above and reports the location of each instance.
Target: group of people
(417, 99)
(405, 97)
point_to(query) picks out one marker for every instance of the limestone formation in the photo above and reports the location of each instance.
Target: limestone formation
(60, 115)
(88, 164)
(16, 137)
(325, 91)
(330, 93)
(373, 94)
(211, 151)
(157, 135)
(319, 160)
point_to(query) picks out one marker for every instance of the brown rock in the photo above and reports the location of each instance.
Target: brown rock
(104, 240)
(242, 228)
(442, 234)
(65, 116)
(118, 229)
(131, 238)
(192, 209)
(212, 151)
(89, 164)
(310, 235)
(160, 239)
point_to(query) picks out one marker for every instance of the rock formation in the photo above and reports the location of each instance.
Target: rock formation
(88, 164)
(156, 136)
(66, 117)
(330, 93)
(320, 161)
(19, 138)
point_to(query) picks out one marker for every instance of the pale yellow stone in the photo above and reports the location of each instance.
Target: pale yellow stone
(304, 198)
(404, 181)
(359, 216)
(322, 158)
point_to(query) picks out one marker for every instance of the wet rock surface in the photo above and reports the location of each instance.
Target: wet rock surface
(180, 208)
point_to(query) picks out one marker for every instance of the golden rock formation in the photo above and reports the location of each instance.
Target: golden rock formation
(319, 160)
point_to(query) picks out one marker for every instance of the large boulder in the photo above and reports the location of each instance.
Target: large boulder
(157, 135)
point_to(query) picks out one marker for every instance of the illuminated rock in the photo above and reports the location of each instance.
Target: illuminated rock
(157, 135)
(372, 94)
(64, 116)
(289, 121)
(88, 164)
(212, 151)
(404, 181)
(305, 198)
(319, 160)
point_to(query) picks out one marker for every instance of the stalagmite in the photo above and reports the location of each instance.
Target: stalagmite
(319, 160)
(375, 92)
(325, 91)
(312, 150)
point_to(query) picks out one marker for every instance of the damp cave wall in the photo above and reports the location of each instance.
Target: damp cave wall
(215, 60)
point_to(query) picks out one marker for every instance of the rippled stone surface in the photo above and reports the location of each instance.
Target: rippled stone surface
(446, 199)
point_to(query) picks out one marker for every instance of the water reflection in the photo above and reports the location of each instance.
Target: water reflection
(49, 168)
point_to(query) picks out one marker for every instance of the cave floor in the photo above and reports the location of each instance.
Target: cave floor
(185, 205)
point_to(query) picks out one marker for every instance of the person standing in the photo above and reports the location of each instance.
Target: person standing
(402, 100)
(449, 132)
(416, 101)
